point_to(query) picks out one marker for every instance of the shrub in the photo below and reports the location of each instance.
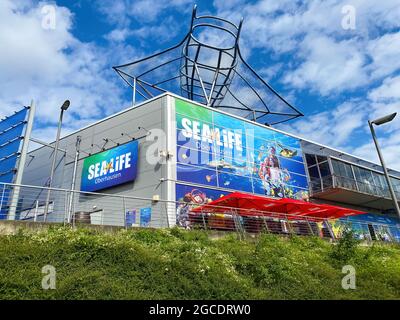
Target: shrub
(181, 264)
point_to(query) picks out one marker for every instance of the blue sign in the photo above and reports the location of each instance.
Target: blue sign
(130, 218)
(110, 168)
(145, 217)
(218, 150)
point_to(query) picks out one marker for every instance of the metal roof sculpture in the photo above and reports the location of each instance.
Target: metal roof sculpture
(213, 74)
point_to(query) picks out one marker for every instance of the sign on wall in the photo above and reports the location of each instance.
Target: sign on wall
(218, 150)
(110, 168)
(130, 218)
(145, 217)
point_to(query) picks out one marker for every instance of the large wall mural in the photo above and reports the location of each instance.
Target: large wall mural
(190, 197)
(218, 150)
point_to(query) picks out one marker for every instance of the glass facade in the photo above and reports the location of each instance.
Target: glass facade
(319, 172)
(348, 176)
(361, 179)
(396, 186)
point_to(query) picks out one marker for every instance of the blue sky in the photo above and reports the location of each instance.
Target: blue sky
(338, 77)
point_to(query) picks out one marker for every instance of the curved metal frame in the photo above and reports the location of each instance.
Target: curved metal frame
(212, 92)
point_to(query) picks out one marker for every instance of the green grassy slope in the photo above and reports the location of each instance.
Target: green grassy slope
(177, 264)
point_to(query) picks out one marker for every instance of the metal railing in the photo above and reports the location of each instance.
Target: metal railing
(76, 207)
(68, 206)
(253, 222)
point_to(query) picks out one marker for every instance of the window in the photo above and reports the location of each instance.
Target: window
(381, 184)
(315, 180)
(396, 184)
(321, 158)
(344, 176)
(326, 174)
(319, 172)
(365, 180)
(360, 179)
(363, 175)
(342, 169)
(313, 171)
(310, 158)
(324, 169)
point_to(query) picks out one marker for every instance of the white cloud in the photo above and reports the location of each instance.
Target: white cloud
(388, 91)
(390, 149)
(333, 62)
(143, 20)
(118, 35)
(52, 65)
(337, 127)
(332, 127)
(328, 65)
(325, 57)
(384, 52)
(270, 72)
(385, 100)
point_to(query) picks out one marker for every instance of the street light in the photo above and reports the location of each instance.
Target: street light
(64, 107)
(384, 119)
(379, 122)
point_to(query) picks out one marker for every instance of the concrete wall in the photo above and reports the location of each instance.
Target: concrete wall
(149, 115)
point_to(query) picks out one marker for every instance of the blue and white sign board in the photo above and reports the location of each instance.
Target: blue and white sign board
(110, 168)
(130, 218)
(145, 217)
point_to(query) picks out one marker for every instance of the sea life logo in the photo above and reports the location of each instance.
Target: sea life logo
(110, 168)
(200, 131)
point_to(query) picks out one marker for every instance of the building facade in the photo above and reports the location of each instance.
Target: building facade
(190, 153)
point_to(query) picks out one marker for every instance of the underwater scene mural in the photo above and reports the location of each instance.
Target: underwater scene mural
(218, 150)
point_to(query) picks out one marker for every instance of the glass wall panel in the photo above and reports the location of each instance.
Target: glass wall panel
(395, 183)
(365, 180)
(324, 169)
(313, 171)
(321, 158)
(315, 179)
(310, 158)
(396, 186)
(381, 184)
(342, 169)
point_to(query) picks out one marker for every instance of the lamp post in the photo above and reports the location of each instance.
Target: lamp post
(379, 122)
(64, 107)
(71, 197)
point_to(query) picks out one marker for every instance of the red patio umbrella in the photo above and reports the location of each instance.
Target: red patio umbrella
(252, 205)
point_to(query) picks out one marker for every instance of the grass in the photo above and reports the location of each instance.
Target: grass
(178, 264)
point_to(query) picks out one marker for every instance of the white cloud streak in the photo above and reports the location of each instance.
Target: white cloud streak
(52, 65)
(359, 67)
